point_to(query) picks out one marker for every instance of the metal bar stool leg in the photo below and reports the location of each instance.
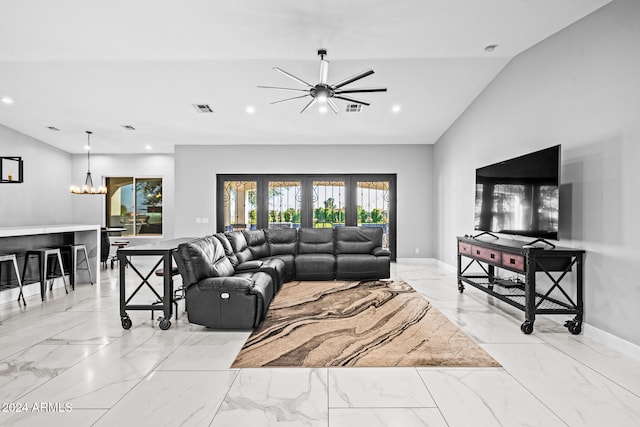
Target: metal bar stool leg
(64, 279)
(86, 259)
(15, 268)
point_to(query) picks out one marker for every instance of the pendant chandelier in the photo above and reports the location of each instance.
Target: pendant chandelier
(88, 187)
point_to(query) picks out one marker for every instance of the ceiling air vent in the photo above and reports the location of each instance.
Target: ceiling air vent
(128, 127)
(203, 108)
(354, 108)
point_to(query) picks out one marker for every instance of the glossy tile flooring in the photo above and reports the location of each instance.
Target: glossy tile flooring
(68, 362)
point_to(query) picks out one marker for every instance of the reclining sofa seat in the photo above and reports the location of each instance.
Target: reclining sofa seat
(283, 245)
(359, 254)
(251, 250)
(315, 259)
(217, 295)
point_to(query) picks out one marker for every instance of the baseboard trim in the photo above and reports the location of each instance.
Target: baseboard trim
(450, 268)
(619, 344)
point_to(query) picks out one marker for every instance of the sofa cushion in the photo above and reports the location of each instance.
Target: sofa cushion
(361, 267)
(315, 266)
(203, 258)
(257, 242)
(289, 266)
(358, 240)
(315, 241)
(282, 241)
(240, 246)
(228, 249)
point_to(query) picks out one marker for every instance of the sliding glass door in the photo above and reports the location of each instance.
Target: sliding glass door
(307, 201)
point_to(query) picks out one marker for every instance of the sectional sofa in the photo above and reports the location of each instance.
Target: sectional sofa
(231, 278)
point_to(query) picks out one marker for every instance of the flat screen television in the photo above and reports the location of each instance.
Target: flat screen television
(520, 196)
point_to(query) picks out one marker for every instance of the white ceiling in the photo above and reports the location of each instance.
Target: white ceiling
(96, 65)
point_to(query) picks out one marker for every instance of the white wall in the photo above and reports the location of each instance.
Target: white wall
(197, 166)
(91, 209)
(579, 88)
(44, 196)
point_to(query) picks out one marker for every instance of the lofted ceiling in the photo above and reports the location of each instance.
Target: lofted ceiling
(97, 65)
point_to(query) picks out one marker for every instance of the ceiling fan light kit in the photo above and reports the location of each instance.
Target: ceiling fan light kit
(323, 92)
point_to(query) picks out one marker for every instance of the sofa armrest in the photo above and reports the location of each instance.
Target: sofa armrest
(250, 266)
(227, 284)
(381, 252)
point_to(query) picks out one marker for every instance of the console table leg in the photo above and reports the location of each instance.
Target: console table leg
(529, 298)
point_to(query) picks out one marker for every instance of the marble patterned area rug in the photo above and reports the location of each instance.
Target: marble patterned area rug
(351, 323)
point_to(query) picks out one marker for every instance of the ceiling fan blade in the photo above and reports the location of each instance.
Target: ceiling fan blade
(291, 76)
(362, 90)
(283, 88)
(333, 105)
(352, 79)
(357, 101)
(324, 71)
(289, 99)
(309, 105)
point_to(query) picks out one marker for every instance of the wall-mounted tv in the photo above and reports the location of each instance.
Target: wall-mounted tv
(520, 196)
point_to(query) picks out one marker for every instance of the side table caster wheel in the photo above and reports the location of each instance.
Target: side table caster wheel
(460, 287)
(165, 324)
(126, 323)
(574, 326)
(526, 327)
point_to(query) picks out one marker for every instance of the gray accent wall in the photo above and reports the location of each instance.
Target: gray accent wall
(43, 198)
(197, 166)
(579, 88)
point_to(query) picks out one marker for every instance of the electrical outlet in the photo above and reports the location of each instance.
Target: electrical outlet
(417, 250)
(205, 220)
(198, 220)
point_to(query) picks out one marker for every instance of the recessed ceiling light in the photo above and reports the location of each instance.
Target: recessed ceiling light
(53, 128)
(395, 108)
(490, 48)
(128, 127)
(6, 100)
(323, 109)
(87, 147)
(250, 109)
(148, 147)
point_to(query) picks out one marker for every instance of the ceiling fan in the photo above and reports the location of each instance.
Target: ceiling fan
(324, 92)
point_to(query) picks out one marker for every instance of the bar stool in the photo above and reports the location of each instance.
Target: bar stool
(44, 268)
(12, 259)
(178, 294)
(119, 244)
(70, 253)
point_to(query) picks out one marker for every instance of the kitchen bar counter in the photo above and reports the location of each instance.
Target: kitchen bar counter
(19, 239)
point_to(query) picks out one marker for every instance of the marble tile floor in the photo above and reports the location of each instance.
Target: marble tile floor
(68, 362)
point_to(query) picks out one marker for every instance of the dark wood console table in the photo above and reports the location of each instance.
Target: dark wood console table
(527, 260)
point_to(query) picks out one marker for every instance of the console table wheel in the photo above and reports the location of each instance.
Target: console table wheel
(460, 287)
(574, 326)
(165, 324)
(126, 323)
(526, 327)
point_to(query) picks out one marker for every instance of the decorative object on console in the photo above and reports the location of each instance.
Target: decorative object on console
(88, 187)
(8, 168)
(357, 323)
(324, 92)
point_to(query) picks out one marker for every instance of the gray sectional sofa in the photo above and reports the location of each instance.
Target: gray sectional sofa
(231, 278)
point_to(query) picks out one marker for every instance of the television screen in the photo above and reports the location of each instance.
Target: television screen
(520, 196)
